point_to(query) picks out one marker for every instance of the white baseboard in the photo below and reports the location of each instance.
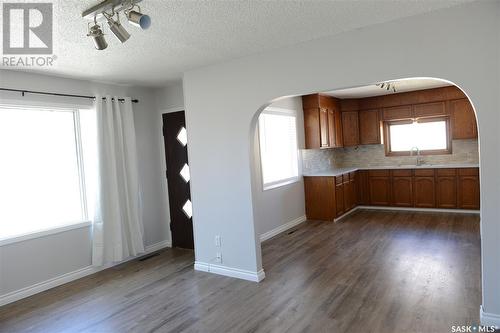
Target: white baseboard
(284, 227)
(229, 271)
(337, 219)
(157, 246)
(489, 319)
(71, 276)
(46, 285)
(418, 209)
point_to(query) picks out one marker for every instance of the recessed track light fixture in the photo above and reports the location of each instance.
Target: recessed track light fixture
(110, 9)
(95, 32)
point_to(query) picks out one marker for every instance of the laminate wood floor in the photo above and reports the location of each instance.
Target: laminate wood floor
(376, 271)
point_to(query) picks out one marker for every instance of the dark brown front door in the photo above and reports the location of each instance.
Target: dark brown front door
(178, 177)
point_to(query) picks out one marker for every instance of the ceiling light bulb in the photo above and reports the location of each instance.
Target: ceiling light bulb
(118, 30)
(139, 20)
(98, 37)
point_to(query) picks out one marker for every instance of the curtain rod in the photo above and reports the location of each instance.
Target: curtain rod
(57, 94)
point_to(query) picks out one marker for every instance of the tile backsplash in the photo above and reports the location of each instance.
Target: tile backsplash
(314, 160)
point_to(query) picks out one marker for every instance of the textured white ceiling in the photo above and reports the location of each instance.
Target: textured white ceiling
(401, 86)
(189, 34)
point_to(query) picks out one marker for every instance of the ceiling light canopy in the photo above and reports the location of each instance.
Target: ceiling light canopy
(387, 86)
(110, 9)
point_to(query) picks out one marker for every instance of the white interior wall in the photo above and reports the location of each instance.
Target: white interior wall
(34, 261)
(285, 204)
(460, 44)
(273, 208)
(170, 97)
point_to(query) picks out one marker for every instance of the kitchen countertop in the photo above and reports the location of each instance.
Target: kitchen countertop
(341, 171)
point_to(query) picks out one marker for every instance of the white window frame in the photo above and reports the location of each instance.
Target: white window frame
(69, 225)
(286, 181)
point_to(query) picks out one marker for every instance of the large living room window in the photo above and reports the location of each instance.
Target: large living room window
(41, 174)
(278, 147)
(425, 136)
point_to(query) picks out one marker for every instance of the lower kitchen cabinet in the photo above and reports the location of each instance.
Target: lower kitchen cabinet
(339, 196)
(330, 197)
(468, 188)
(319, 197)
(446, 188)
(352, 183)
(379, 184)
(362, 193)
(402, 189)
(424, 194)
(349, 191)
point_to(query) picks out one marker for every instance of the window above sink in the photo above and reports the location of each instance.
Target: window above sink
(425, 136)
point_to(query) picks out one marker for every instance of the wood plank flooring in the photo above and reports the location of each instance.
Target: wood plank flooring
(376, 271)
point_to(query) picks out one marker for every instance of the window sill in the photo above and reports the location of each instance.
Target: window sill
(281, 183)
(421, 153)
(43, 233)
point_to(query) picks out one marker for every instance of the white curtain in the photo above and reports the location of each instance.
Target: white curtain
(117, 229)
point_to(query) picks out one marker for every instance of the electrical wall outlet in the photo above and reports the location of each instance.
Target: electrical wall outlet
(217, 241)
(218, 257)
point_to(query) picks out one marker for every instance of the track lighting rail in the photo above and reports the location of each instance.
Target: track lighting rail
(108, 5)
(23, 92)
(108, 9)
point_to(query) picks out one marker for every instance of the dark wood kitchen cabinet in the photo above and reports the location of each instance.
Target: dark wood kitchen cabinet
(350, 128)
(369, 127)
(362, 191)
(463, 120)
(319, 196)
(379, 185)
(339, 195)
(349, 191)
(429, 109)
(322, 122)
(402, 188)
(424, 184)
(330, 197)
(446, 188)
(397, 112)
(468, 188)
(312, 128)
(323, 128)
(335, 128)
(331, 122)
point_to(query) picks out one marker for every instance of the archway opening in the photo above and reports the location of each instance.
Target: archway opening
(386, 185)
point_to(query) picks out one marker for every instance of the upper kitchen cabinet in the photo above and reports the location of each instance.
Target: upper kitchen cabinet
(332, 122)
(420, 110)
(429, 109)
(463, 121)
(322, 122)
(350, 128)
(397, 112)
(369, 127)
